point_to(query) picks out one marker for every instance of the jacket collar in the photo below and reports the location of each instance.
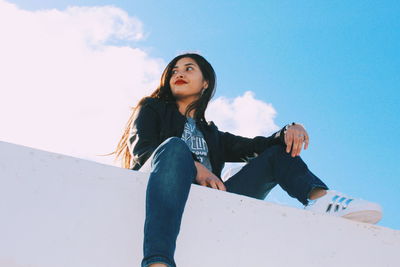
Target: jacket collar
(200, 122)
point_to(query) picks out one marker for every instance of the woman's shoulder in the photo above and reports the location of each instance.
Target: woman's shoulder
(153, 103)
(209, 125)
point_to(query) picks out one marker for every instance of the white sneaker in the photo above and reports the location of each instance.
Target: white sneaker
(339, 204)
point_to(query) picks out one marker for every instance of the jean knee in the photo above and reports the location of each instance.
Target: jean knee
(275, 149)
(174, 140)
(175, 151)
(174, 159)
(280, 148)
(174, 143)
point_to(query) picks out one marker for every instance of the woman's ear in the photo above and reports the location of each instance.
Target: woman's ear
(205, 84)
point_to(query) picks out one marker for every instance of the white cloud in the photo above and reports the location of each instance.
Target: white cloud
(67, 87)
(243, 115)
(63, 88)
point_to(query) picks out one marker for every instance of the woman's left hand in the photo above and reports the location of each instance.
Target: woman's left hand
(294, 138)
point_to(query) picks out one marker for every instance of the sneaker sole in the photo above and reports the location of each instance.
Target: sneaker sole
(366, 216)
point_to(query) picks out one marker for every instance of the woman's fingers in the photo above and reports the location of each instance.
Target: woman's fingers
(221, 185)
(294, 139)
(203, 183)
(288, 141)
(212, 183)
(206, 178)
(216, 183)
(306, 141)
(292, 143)
(300, 145)
(295, 149)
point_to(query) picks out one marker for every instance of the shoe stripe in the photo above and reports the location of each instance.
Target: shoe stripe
(328, 209)
(347, 203)
(339, 203)
(341, 200)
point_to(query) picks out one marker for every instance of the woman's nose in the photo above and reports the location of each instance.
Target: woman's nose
(178, 73)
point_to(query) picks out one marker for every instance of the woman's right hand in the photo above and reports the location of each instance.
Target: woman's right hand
(206, 178)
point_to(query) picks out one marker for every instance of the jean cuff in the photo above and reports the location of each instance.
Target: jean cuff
(157, 259)
(312, 188)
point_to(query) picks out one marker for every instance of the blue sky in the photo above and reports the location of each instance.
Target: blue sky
(330, 65)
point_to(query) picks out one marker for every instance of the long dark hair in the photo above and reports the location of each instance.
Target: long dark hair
(163, 92)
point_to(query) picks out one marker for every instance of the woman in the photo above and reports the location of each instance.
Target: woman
(168, 135)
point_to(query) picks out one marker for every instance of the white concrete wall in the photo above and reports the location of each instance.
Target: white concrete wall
(60, 211)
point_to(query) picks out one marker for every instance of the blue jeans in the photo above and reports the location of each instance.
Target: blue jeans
(173, 172)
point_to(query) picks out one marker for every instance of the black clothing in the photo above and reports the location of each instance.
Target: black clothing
(156, 120)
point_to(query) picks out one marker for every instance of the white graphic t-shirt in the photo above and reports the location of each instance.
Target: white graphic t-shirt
(194, 138)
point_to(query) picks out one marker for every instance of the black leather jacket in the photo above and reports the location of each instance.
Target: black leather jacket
(156, 120)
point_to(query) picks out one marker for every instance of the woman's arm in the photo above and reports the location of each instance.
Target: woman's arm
(144, 135)
(239, 148)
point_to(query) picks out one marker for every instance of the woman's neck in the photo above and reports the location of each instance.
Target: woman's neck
(182, 106)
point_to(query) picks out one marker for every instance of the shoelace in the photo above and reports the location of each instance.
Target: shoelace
(338, 202)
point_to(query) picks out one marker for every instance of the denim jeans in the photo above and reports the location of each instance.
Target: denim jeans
(172, 172)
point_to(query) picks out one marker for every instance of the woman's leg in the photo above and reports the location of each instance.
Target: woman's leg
(274, 166)
(172, 174)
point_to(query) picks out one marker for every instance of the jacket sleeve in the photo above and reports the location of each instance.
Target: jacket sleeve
(144, 135)
(238, 149)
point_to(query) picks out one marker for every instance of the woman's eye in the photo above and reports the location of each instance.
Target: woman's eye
(188, 68)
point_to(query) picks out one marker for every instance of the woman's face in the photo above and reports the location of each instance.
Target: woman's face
(187, 80)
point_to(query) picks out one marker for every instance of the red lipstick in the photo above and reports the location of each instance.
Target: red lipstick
(180, 81)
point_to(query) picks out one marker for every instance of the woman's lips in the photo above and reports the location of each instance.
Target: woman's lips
(180, 82)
